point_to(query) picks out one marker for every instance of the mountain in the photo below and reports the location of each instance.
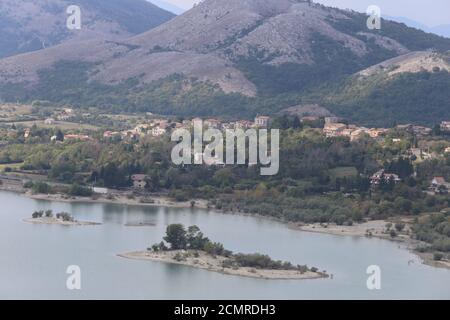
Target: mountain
(441, 30)
(412, 88)
(232, 58)
(168, 6)
(30, 25)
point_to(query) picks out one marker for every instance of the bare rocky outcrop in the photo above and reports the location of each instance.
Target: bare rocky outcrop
(29, 25)
(206, 43)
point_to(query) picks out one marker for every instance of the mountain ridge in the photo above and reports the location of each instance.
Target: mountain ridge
(263, 54)
(33, 25)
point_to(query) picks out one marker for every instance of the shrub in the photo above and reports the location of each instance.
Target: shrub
(437, 256)
(80, 191)
(37, 214)
(41, 187)
(399, 226)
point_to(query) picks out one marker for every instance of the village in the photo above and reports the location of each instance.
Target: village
(69, 126)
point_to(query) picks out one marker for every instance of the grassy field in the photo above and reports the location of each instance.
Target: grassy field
(10, 112)
(10, 165)
(343, 172)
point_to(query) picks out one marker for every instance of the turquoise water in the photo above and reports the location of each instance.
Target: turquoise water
(34, 258)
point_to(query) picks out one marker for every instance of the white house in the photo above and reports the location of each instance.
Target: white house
(100, 190)
(439, 185)
(262, 121)
(445, 125)
(139, 181)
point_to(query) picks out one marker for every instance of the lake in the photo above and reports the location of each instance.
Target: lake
(34, 258)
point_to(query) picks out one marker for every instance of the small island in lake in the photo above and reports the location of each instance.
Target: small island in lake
(62, 218)
(190, 247)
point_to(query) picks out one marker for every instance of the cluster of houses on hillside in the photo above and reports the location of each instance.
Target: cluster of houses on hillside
(160, 127)
(438, 185)
(65, 114)
(334, 128)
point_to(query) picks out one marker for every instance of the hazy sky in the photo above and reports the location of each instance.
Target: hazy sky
(428, 12)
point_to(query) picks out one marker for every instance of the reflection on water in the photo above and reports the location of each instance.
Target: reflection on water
(35, 257)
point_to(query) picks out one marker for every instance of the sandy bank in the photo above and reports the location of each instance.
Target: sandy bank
(427, 258)
(154, 201)
(56, 221)
(376, 229)
(207, 262)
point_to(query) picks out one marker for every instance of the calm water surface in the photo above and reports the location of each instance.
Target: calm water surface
(34, 258)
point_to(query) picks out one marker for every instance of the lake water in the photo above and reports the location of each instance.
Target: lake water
(34, 258)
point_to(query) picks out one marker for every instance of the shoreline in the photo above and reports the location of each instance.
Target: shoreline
(207, 262)
(55, 221)
(120, 199)
(156, 201)
(356, 230)
(376, 228)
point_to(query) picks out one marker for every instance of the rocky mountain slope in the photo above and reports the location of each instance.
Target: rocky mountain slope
(410, 88)
(29, 25)
(221, 57)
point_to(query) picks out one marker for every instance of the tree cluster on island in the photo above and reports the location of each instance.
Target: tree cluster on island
(64, 216)
(193, 241)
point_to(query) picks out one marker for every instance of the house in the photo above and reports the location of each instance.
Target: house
(197, 122)
(213, 123)
(375, 133)
(447, 150)
(27, 133)
(309, 119)
(159, 130)
(439, 185)
(416, 152)
(334, 129)
(80, 137)
(242, 124)
(421, 131)
(139, 181)
(347, 132)
(49, 121)
(63, 117)
(213, 161)
(332, 120)
(110, 134)
(445, 126)
(383, 177)
(357, 134)
(100, 190)
(262, 121)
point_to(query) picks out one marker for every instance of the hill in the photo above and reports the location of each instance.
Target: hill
(233, 58)
(412, 88)
(32, 25)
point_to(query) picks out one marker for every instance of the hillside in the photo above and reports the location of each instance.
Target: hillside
(30, 25)
(410, 88)
(233, 58)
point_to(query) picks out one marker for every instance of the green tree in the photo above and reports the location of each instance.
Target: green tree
(195, 238)
(176, 236)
